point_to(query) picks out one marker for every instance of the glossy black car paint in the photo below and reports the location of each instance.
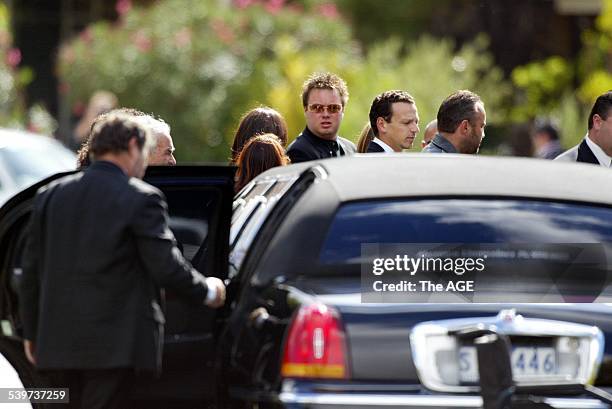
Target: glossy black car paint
(242, 356)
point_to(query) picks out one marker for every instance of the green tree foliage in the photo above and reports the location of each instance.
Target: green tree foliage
(596, 60)
(547, 88)
(198, 64)
(201, 64)
(542, 84)
(12, 78)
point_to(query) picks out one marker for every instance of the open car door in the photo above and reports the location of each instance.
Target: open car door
(199, 205)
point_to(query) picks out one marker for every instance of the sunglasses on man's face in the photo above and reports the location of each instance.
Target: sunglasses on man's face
(319, 108)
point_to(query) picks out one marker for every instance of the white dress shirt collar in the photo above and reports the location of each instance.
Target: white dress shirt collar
(386, 147)
(604, 160)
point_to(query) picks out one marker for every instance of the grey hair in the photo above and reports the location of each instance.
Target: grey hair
(156, 126)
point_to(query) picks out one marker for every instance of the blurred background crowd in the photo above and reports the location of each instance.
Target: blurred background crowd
(201, 64)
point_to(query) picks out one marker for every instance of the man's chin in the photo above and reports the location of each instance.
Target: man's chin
(326, 134)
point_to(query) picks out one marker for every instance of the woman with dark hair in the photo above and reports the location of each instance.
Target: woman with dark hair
(259, 154)
(258, 121)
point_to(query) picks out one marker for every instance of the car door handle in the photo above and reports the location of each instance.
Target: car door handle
(259, 317)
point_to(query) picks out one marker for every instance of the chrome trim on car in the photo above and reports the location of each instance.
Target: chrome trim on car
(416, 401)
(507, 322)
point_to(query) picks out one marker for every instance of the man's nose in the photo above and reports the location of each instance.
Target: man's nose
(172, 161)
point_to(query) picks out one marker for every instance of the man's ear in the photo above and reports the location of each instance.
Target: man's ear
(464, 126)
(133, 147)
(381, 124)
(597, 121)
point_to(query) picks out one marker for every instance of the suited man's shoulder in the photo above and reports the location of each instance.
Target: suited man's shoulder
(570, 155)
(301, 150)
(141, 189)
(298, 143)
(61, 182)
(347, 145)
(374, 147)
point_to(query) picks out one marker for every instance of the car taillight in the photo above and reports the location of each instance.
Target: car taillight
(315, 346)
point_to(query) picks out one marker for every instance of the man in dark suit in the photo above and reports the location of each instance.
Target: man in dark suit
(99, 246)
(395, 122)
(324, 97)
(596, 147)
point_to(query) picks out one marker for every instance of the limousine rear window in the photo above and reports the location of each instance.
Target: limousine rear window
(461, 221)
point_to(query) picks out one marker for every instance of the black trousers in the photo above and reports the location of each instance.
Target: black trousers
(95, 388)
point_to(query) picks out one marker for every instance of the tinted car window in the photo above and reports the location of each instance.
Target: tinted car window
(462, 221)
(250, 210)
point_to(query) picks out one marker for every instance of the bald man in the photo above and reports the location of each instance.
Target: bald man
(430, 131)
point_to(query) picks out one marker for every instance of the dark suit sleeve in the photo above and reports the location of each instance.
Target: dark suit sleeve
(30, 279)
(159, 254)
(297, 156)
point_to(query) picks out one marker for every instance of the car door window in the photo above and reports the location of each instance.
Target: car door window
(250, 211)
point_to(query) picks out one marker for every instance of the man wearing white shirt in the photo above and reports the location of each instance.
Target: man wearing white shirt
(395, 122)
(596, 147)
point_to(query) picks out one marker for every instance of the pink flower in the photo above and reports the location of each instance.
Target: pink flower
(274, 6)
(329, 10)
(242, 4)
(222, 31)
(142, 41)
(63, 88)
(68, 55)
(183, 37)
(295, 8)
(123, 6)
(86, 36)
(13, 57)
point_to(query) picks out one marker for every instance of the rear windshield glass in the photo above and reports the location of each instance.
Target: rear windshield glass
(461, 221)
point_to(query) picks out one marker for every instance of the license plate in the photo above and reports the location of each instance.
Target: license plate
(527, 363)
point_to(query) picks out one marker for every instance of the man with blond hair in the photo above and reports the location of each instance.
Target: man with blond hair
(324, 98)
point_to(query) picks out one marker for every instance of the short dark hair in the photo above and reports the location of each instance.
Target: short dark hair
(382, 106)
(113, 133)
(602, 107)
(325, 80)
(455, 108)
(548, 129)
(258, 121)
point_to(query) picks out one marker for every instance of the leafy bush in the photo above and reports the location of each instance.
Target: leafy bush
(547, 90)
(12, 78)
(197, 64)
(201, 64)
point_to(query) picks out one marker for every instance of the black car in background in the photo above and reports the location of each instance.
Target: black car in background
(295, 333)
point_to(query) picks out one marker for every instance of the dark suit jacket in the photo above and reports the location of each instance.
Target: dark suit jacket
(307, 146)
(99, 245)
(373, 147)
(579, 153)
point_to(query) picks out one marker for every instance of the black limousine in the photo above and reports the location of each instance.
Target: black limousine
(309, 323)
